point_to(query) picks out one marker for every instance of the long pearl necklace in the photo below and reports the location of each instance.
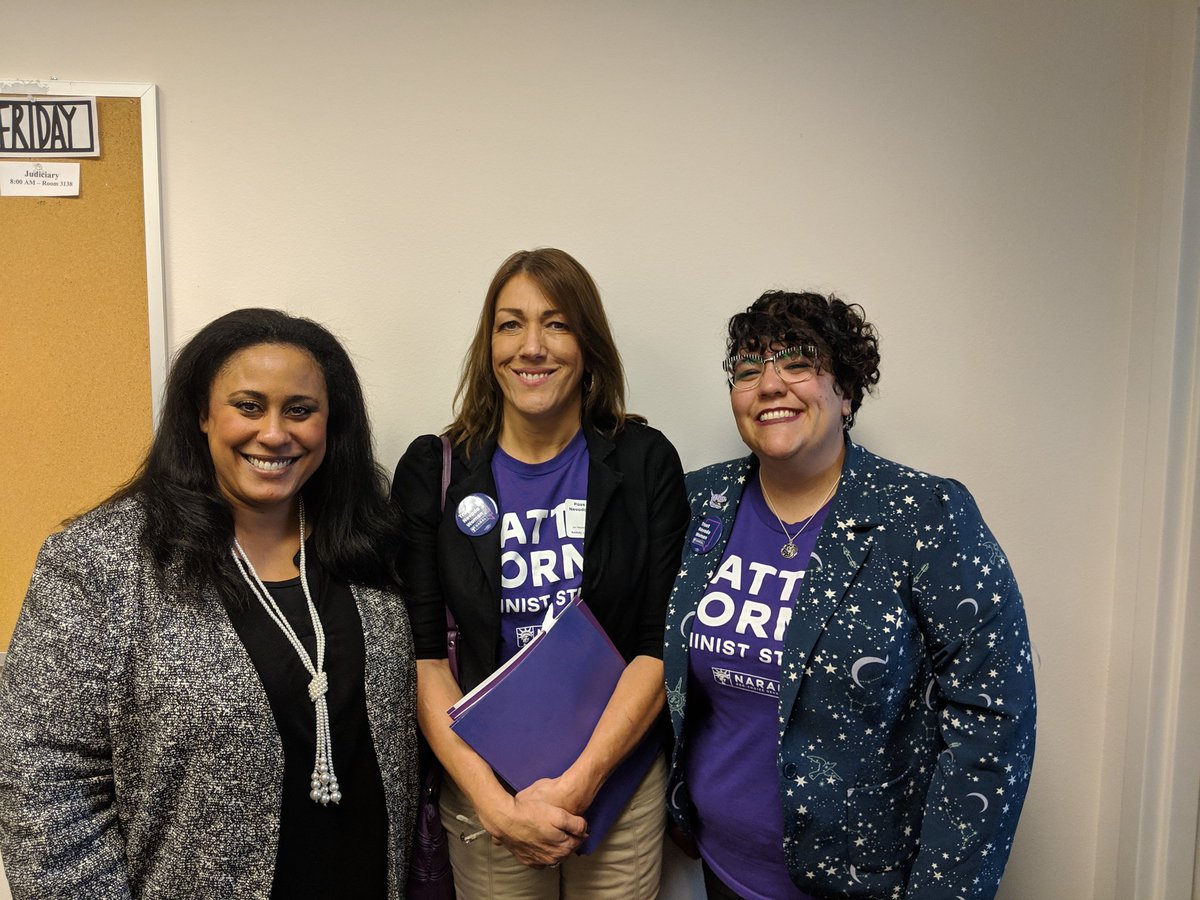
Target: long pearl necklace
(324, 783)
(788, 550)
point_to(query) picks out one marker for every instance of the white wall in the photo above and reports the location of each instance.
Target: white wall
(972, 173)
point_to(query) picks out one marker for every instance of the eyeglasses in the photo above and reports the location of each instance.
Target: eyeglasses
(792, 364)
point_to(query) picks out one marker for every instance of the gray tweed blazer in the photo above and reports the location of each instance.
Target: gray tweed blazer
(138, 753)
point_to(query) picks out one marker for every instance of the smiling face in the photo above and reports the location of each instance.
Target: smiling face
(799, 424)
(536, 359)
(266, 419)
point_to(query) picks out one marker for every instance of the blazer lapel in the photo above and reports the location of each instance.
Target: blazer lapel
(715, 497)
(844, 545)
(477, 479)
(729, 485)
(603, 482)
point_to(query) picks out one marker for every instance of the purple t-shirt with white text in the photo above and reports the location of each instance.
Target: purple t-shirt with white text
(734, 661)
(543, 508)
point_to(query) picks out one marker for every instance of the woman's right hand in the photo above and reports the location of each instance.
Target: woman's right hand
(537, 833)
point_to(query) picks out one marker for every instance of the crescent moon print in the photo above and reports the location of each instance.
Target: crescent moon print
(982, 799)
(683, 625)
(866, 661)
(674, 799)
(905, 650)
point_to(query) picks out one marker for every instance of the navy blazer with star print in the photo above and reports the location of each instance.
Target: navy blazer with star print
(908, 783)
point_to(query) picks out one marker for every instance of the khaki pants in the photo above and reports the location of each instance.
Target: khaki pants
(627, 865)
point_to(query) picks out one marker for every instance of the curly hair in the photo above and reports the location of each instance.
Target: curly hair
(479, 406)
(847, 344)
(189, 522)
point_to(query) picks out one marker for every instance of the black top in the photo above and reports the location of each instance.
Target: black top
(636, 516)
(339, 850)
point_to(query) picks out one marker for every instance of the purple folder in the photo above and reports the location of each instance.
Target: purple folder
(535, 717)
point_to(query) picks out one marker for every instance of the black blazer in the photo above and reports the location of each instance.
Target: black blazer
(636, 517)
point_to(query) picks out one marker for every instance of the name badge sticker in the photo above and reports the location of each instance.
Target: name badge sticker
(576, 518)
(477, 514)
(706, 535)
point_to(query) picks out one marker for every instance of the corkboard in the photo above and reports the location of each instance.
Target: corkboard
(75, 382)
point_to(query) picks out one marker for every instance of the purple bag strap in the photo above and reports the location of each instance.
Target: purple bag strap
(451, 625)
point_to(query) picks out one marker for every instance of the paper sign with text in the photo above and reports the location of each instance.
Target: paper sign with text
(44, 127)
(37, 179)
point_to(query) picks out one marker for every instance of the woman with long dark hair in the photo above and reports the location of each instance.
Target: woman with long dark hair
(211, 690)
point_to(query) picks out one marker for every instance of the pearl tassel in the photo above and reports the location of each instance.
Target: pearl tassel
(324, 783)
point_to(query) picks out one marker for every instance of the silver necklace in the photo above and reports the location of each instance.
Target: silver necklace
(788, 550)
(324, 783)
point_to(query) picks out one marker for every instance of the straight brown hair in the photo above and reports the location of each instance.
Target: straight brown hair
(478, 404)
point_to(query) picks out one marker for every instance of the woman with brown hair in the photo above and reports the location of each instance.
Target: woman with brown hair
(554, 489)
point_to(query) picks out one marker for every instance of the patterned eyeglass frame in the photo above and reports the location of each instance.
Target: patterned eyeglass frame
(809, 351)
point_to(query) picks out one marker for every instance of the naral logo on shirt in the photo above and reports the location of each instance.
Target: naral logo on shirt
(526, 633)
(768, 687)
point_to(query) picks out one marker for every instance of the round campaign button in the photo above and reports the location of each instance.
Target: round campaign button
(477, 514)
(706, 535)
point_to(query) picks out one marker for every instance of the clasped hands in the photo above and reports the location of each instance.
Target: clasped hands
(540, 826)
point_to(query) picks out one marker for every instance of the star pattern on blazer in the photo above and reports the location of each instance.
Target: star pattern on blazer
(907, 706)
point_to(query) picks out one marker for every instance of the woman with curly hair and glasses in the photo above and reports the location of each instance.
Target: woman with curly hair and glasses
(847, 661)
